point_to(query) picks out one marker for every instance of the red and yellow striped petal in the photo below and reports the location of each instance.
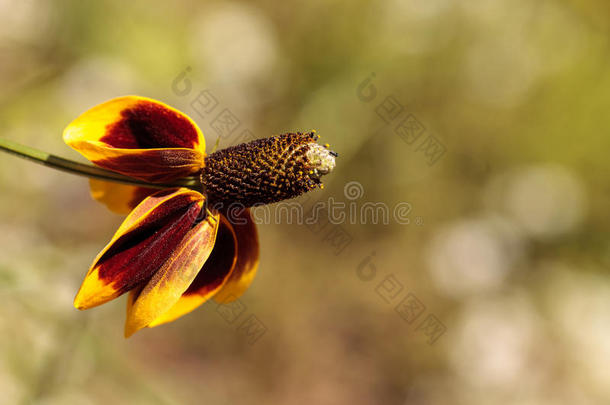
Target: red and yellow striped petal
(143, 243)
(119, 198)
(247, 258)
(138, 137)
(210, 279)
(168, 283)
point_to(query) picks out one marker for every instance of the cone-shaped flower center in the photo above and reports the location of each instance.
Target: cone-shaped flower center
(266, 170)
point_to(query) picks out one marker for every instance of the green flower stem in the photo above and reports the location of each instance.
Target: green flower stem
(90, 171)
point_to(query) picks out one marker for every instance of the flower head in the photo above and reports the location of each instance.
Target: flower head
(177, 247)
(266, 170)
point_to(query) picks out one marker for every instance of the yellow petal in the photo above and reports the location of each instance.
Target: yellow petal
(169, 282)
(119, 198)
(210, 279)
(138, 137)
(143, 243)
(247, 258)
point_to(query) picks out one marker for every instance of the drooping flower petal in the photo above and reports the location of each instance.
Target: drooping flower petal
(119, 198)
(145, 240)
(247, 257)
(173, 278)
(138, 137)
(210, 279)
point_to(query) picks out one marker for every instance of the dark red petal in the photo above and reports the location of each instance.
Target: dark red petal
(138, 137)
(210, 278)
(219, 264)
(135, 256)
(144, 242)
(155, 165)
(247, 257)
(148, 125)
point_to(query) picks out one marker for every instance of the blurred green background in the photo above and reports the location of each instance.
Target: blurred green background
(496, 291)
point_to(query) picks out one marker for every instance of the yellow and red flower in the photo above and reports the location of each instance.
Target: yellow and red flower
(172, 253)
